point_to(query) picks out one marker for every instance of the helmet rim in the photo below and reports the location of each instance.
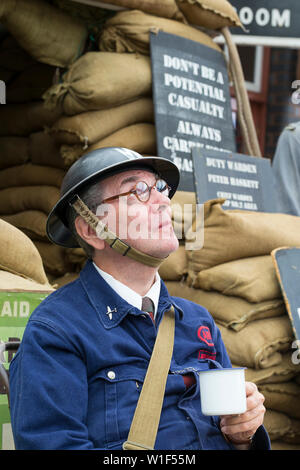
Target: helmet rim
(57, 227)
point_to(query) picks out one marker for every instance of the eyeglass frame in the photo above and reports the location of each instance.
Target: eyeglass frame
(133, 191)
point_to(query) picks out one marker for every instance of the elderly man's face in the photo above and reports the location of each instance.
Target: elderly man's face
(146, 226)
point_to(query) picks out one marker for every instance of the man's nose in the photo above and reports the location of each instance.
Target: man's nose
(159, 198)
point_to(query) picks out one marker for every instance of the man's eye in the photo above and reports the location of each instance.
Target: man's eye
(131, 197)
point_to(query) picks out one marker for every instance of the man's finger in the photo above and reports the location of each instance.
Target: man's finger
(244, 427)
(247, 416)
(250, 388)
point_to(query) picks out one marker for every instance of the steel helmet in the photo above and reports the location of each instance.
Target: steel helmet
(95, 166)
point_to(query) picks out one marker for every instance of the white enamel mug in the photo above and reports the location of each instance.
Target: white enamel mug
(223, 391)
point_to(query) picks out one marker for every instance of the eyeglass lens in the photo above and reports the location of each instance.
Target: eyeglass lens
(143, 190)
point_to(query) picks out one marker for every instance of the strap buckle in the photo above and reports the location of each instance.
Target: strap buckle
(130, 445)
(73, 199)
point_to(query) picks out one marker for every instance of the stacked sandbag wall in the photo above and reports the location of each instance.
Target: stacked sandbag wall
(233, 276)
(78, 78)
(40, 41)
(124, 100)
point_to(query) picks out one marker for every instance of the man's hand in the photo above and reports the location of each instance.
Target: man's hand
(238, 429)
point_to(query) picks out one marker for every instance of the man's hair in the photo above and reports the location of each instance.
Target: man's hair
(92, 197)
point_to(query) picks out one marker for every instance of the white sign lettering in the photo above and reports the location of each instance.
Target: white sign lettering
(263, 17)
(16, 308)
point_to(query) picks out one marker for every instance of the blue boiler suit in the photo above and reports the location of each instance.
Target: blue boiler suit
(77, 376)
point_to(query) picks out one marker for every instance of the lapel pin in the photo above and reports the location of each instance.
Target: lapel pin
(110, 312)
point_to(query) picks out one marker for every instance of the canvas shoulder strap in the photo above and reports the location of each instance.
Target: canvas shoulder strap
(144, 426)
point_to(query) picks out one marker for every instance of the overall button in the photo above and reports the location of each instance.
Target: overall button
(111, 375)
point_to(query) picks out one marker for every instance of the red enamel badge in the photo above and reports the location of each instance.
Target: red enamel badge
(204, 334)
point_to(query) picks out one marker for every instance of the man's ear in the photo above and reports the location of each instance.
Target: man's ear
(88, 234)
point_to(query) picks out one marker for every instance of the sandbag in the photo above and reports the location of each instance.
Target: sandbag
(13, 57)
(92, 126)
(100, 80)
(46, 33)
(88, 12)
(174, 268)
(293, 434)
(167, 8)
(277, 424)
(25, 118)
(44, 151)
(70, 153)
(77, 257)
(211, 14)
(139, 137)
(13, 151)
(283, 372)
(31, 175)
(18, 255)
(279, 445)
(22, 198)
(297, 378)
(30, 84)
(282, 397)
(54, 259)
(184, 210)
(129, 31)
(65, 279)
(31, 222)
(260, 344)
(232, 312)
(231, 234)
(13, 283)
(6, 75)
(253, 279)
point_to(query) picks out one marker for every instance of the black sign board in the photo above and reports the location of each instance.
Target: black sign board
(191, 101)
(265, 19)
(287, 265)
(247, 183)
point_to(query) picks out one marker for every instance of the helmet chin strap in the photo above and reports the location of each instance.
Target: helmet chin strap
(111, 238)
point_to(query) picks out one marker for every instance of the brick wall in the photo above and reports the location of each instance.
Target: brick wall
(280, 109)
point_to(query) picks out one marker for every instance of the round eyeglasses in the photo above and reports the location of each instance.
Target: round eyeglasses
(142, 191)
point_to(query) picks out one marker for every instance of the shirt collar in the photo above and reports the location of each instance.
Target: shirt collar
(109, 306)
(128, 294)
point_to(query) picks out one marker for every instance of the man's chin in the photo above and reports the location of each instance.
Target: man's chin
(163, 248)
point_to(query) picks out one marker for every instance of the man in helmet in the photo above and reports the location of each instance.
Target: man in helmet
(78, 375)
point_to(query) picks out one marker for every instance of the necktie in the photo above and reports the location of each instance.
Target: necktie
(148, 306)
